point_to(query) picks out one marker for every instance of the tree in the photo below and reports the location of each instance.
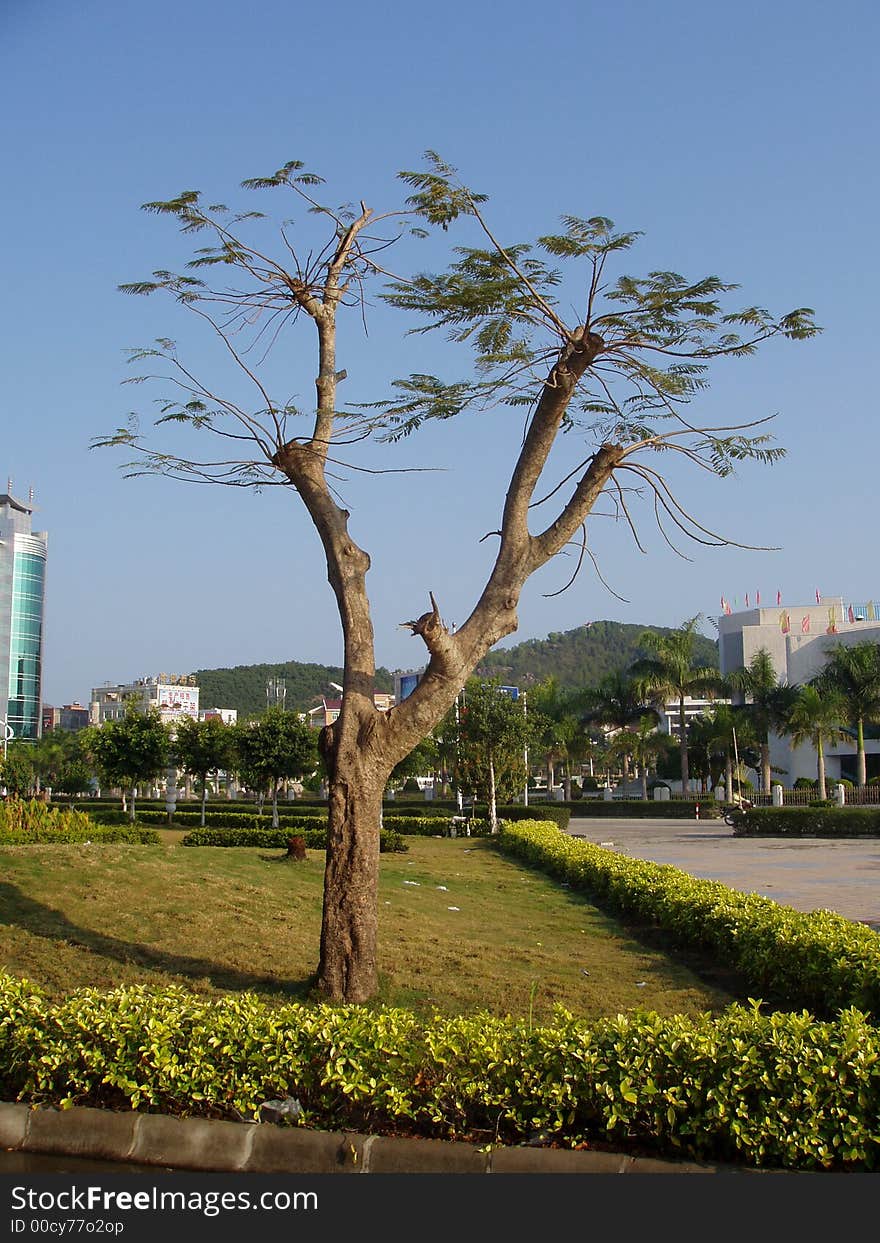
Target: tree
(853, 673)
(768, 702)
(202, 747)
(129, 751)
(617, 703)
(557, 730)
(620, 378)
(815, 718)
(17, 773)
(423, 759)
(493, 733)
(670, 674)
(278, 746)
(713, 731)
(642, 744)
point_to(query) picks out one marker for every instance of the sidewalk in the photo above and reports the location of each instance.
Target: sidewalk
(840, 874)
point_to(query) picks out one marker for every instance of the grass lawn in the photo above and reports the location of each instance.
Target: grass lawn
(461, 929)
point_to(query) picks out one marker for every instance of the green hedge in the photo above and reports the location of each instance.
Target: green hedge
(813, 821)
(632, 808)
(818, 960)
(773, 1091)
(277, 839)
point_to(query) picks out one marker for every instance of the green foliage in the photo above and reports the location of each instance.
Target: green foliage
(269, 838)
(766, 1091)
(36, 823)
(131, 750)
(17, 771)
(628, 809)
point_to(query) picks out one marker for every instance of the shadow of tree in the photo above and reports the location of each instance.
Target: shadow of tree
(19, 910)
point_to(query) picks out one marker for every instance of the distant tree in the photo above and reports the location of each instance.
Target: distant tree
(129, 751)
(815, 718)
(713, 732)
(202, 747)
(617, 703)
(619, 374)
(17, 773)
(276, 747)
(556, 729)
(641, 744)
(421, 762)
(494, 732)
(853, 673)
(768, 703)
(670, 675)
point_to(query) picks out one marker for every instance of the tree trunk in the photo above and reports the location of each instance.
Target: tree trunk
(765, 767)
(348, 968)
(728, 777)
(493, 811)
(644, 776)
(820, 769)
(683, 747)
(131, 809)
(274, 804)
(204, 797)
(861, 770)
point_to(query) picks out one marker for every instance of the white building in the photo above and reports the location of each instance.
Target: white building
(799, 639)
(173, 695)
(229, 716)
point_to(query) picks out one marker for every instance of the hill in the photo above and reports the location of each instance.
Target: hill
(244, 687)
(581, 657)
(576, 658)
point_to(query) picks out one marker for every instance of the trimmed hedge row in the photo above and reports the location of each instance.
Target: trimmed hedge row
(831, 821)
(778, 1090)
(818, 960)
(632, 808)
(277, 839)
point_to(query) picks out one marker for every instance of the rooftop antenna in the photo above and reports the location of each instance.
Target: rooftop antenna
(31, 495)
(9, 485)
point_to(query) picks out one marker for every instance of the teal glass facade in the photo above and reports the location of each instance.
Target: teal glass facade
(22, 604)
(26, 643)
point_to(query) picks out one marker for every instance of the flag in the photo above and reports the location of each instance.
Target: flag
(727, 606)
(805, 624)
(757, 598)
(778, 598)
(747, 599)
(784, 622)
(851, 615)
(832, 621)
(871, 614)
(818, 597)
(722, 604)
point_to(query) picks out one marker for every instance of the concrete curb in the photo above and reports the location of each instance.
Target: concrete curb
(263, 1148)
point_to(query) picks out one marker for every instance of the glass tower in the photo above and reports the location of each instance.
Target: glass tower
(22, 600)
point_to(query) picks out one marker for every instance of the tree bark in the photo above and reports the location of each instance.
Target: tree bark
(493, 810)
(820, 769)
(683, 747)
(348, 968)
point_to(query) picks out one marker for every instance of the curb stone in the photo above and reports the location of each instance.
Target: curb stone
(207, 1145)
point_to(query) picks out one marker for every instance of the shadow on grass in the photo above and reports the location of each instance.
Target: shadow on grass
(16, 909)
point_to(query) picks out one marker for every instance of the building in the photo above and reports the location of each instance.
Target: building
(799, 639)
(229, 716)
(328, 710)
(22, 606)
(173, 695)
(69, 718)
(693, 707)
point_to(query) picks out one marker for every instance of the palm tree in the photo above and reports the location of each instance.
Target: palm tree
(816, 718)
(642, 744)
(768, 703)
(714, 730)
(617, 703)
(853, 672)
(561, 736)
(670, 674)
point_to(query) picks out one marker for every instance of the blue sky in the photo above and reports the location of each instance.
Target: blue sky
(740, 140)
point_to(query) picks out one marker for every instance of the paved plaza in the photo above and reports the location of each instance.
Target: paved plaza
(806, 873)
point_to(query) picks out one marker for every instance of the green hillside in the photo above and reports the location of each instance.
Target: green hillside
(244, 687)
(581, 657)
(575, 657)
